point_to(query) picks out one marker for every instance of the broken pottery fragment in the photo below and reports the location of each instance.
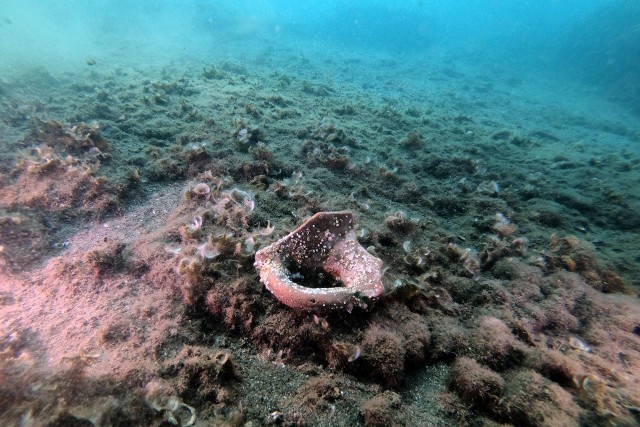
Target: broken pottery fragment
(324, 244)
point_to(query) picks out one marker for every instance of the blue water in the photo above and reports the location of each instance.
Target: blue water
(592, 41)
(62, 26)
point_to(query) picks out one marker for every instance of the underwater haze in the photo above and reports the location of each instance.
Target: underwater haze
(593, 41)
(337, 213)
(48, 33)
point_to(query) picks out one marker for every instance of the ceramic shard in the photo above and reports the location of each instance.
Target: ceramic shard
(324, 244)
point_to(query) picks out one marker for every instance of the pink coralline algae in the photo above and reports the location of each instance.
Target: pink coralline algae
(323, 244)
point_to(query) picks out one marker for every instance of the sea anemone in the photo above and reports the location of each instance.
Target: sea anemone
(202, 190)
(208, 250)
(196, 224)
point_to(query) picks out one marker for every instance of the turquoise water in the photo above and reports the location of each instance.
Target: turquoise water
(487, 153)
(593, 41)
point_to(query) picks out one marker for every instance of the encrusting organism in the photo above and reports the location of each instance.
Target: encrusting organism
(324, 244)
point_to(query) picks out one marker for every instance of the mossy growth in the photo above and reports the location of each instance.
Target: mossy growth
(109, 258)
(475, 383)
(412, 141)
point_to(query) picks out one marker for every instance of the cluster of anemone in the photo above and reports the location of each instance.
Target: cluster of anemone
(208, 186)
(468, 257)
(502, 243)
(84, 135)
(69, 146)
(248, 136)
(502, 226)
(161, 398)
(416, 257)
(399, 222)
(219, 227)
(233, 208)
(45, 159)
(228, 207)
(327, 155)
(496, 246)
(292, 188)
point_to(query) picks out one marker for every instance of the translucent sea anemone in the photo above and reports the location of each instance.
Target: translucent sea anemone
(357, 351)
(186, 265)
(196, 224)
(208, 250)
(502, 226)
(268, 229)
